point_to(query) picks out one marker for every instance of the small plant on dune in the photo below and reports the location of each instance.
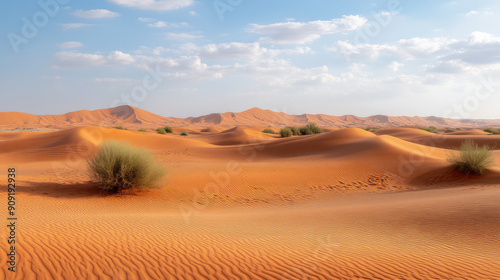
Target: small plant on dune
(310, 128)
(120, 127)
(142, 130)
(184, 133)
(168, 129)
(268, 130)
(118, 166)
(449, 131)
(161, 130)
(286, 132)
(471, 159)
(492, 131)
(295, 130)
(370, 128)
(431, 129)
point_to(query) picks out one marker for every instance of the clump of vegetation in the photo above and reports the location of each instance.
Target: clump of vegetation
(142, 130)
(471, 158)
(449, 130)
(431, 129)
(168, 129)
(184, 133)
(120, 127)
(286, 132)
(268, 130)
(161, 130)
(295, 130)
(310, 128)
(492, 131)
(370, 128)
(118, 166)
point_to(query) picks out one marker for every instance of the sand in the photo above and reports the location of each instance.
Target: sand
(241, 204)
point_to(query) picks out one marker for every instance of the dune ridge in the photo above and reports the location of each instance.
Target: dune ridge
(136, 118)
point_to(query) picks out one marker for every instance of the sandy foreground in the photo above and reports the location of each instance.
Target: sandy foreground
(240, 204)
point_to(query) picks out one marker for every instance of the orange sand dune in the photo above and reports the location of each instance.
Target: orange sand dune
(241, 204)
(447, 141)
(236, 136)
(135, 118)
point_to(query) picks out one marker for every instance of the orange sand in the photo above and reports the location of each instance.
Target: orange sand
(241, 204)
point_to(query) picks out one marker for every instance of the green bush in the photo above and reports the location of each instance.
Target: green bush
(286, 132)
(370, 128)
(310, 128)
(120, 127)
(449, 131)
(295, 131)
(161, 130)
(431, 129)
(118, 166)
(492, 131)
(142, 130)
(168, 129)
(471, 159)
(268, 130)
(184, 133)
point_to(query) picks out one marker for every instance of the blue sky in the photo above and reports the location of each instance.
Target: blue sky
(188, 58)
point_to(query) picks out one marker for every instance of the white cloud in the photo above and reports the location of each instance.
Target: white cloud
(154, 4)
(474, 13)
(67, 59)
(304, 32)
(394, 66)
(98, 13)
(70, 45)
(161, 24)
(113, 80)
(193, 13)
(405, 48)
(67, 26)
(182, 36)
(240, 51)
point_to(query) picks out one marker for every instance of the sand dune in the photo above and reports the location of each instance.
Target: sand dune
(344, 204)
(135, 118)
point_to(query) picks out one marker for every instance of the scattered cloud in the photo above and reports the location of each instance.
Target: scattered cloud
(161, 24)
(68, 59)
(474, 13)
(70, 45)
(68, 26)
(193, 13)
(303, 32)
(113, 80)
(394, 66)
(99, 13)
(159, 5)
(181, 36)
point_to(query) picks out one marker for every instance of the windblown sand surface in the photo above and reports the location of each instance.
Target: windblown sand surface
(240, 204)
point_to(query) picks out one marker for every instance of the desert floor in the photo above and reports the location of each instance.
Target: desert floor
(240, 204)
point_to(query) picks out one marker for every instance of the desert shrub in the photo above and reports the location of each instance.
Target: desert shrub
(286, 132)
(295, 130)
(120, 127)
(268, 130)
(492, 131)
(161, 130)
(142, 130)
(118, 166)
(431, 129)
(184, 133)
(449, 131)
(168, 129)
(470, 158)
(370, 128)
(310, 128)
